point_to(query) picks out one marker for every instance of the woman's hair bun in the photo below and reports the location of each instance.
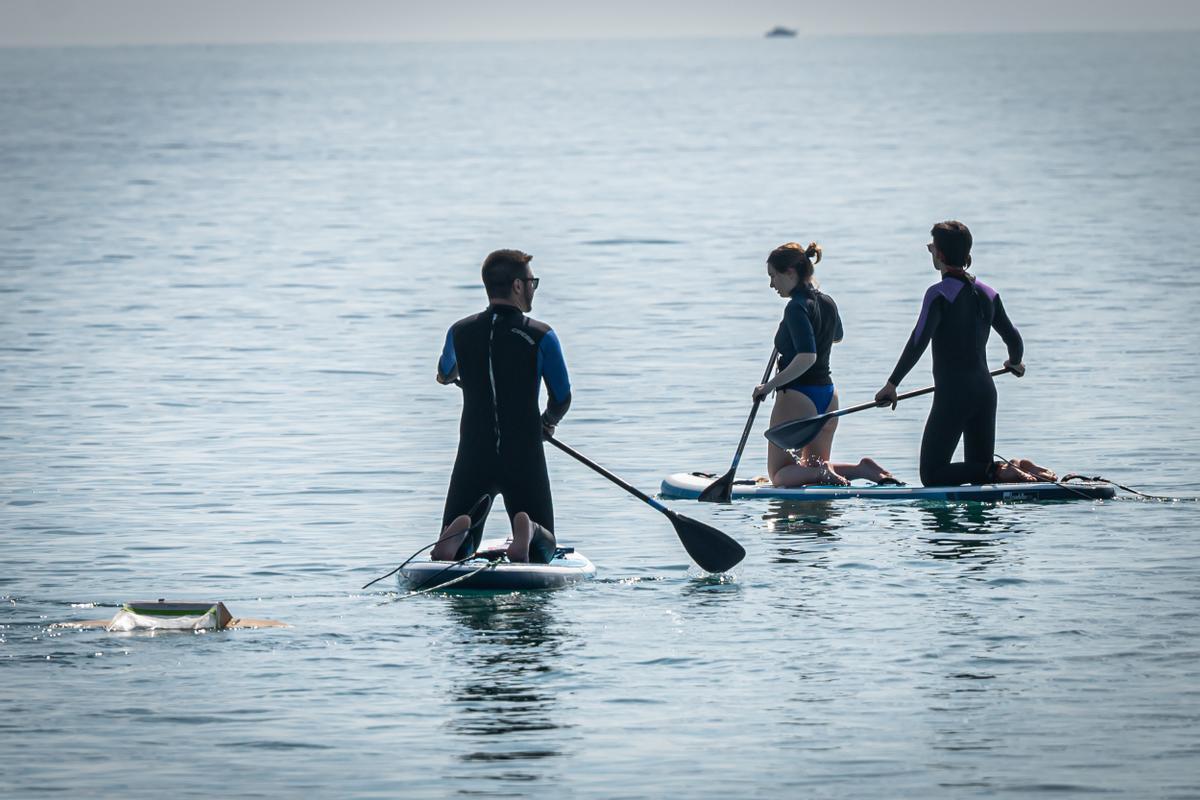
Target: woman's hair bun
(814, 252)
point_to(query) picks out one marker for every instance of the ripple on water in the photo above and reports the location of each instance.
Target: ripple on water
(236, 402)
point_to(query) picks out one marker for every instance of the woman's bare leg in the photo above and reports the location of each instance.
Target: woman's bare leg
(821, 449)
(451, 539)
(813, 466)
(807, 472)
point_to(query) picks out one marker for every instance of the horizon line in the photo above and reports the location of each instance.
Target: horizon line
(67, 45)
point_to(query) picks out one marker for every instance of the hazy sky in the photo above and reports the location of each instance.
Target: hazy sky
(56, 22)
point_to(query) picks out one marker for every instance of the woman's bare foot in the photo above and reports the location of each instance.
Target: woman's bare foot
(833, 478)
(451, 539)
(1041, 473)
(807, 474)
(1008, 473)
(869, 468)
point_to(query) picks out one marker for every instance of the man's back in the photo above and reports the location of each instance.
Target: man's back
(499, 357)
(502, 357)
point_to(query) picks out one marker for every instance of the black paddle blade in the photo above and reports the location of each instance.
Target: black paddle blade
(719, 491)
(795, 434)
(712, 549)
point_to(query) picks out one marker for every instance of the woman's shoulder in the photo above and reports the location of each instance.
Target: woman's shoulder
(800, 309)
(988, 290)
(824, 299)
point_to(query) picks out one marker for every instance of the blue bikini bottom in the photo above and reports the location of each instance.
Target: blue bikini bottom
(821, 396)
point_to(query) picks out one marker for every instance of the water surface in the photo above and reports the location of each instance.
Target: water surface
(224, 280)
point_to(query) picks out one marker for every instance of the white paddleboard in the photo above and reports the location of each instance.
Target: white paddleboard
(481, 574)
(689, 485)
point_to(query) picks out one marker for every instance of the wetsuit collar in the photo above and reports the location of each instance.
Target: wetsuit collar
(960, 274)
(801, 290)
(503, 309)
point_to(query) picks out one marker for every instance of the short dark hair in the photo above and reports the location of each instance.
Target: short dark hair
(953, 239)
(501, 268)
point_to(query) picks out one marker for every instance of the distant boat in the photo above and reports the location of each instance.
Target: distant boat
(780, 32)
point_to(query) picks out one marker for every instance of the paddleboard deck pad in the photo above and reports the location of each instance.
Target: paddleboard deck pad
(487, 573)
(689, 485)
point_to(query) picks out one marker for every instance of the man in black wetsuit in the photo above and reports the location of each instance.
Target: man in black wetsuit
(958, 314)
(500, 357)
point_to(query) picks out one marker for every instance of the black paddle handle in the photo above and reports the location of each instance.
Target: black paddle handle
(633, 490)
(754, 410)
(899, 397)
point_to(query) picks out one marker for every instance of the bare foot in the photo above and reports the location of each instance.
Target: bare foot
(818, 473)
(1040, 472)
(833, 478)
(1007, 473)
(869, 468)
(451, 539)
(518, 550)
(826, 471)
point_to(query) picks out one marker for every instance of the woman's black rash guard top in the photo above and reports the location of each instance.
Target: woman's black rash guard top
(811, 324)
(957, 315)
(502, 358)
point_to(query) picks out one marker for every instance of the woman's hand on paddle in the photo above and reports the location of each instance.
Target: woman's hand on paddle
(887, 395)
(761, 391)
(1017, 369)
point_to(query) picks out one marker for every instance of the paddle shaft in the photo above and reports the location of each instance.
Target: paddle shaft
(737, 457)
(633, 490)
(880, 404)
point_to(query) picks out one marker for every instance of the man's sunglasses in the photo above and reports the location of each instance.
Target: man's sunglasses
(532, 281)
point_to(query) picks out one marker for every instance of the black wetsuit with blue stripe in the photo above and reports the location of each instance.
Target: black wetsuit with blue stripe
(501, 357)
(958, 315)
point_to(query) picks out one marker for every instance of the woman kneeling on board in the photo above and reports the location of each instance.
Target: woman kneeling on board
(802, 386)
(957, 316)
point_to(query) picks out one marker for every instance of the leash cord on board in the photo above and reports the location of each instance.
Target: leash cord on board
(410, 558)
(1159, 497)
(1072, 489)
(1096, 479)
(484, 502)
(431, 584)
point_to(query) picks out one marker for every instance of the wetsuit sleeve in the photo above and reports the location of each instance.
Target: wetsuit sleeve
(927, 323)
(554, 372)
(838, 333)
(1008, 332)
(448, 362)
(799, 328)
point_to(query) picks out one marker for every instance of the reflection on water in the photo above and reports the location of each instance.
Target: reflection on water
(240, 416)
(974, 532)
(506, 711)
(803, 529)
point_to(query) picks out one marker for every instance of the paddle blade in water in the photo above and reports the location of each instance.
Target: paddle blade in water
(795, 434)
(712, 549)
(719, 491)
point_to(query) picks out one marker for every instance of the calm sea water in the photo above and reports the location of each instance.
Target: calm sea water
(225, 274)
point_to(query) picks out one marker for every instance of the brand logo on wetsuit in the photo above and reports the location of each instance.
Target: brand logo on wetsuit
(523, 335)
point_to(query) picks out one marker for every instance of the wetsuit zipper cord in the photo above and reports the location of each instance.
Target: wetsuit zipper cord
(492, 380)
